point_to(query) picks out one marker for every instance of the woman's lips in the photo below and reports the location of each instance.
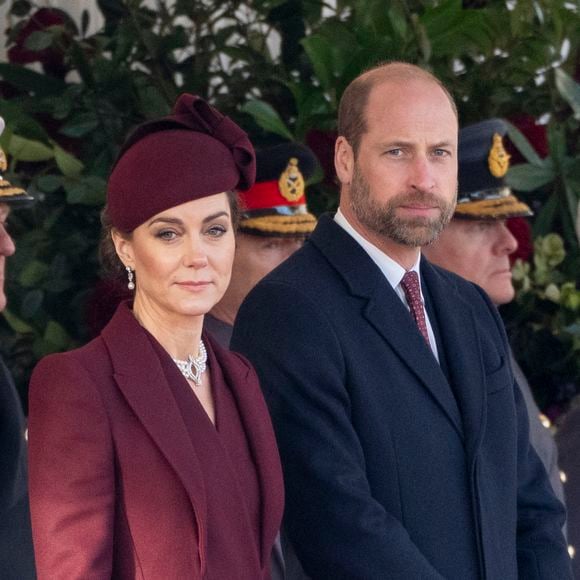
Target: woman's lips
(194, 285)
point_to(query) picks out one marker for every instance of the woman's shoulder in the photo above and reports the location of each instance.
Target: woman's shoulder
(86, 362)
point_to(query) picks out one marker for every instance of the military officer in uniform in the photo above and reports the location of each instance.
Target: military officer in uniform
(477, 243)
(16, 554)
(274, 223)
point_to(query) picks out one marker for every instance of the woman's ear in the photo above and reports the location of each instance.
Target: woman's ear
(123, 247)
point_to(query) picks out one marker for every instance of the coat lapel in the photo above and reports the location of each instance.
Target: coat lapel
(261, 439)
(458, 330)
(385, 312)
(139, 376)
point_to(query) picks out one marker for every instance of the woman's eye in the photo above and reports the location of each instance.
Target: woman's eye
(216, 231)
(167, 235)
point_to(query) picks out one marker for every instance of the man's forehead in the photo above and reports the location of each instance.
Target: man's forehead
(417, 105)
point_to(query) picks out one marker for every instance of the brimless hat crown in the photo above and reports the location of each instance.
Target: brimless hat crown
(192, 153)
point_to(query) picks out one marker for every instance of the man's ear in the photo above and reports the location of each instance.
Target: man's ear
(123, 247)
(343, 160)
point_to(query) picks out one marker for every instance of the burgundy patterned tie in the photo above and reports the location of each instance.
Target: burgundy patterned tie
(410, 284)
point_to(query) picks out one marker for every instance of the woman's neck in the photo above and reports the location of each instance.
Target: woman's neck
(178, 335)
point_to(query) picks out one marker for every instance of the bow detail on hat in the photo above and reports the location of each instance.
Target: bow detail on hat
(196, 114)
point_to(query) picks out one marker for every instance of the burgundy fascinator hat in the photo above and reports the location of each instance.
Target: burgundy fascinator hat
(192, 153)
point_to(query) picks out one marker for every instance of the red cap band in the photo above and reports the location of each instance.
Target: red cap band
(265, 195)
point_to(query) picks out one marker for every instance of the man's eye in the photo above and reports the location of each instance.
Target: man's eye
(441, 153)
(395, 152)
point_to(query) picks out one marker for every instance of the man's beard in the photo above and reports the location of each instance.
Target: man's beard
(382, 219)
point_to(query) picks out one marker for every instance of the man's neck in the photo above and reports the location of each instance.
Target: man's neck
(405, 256)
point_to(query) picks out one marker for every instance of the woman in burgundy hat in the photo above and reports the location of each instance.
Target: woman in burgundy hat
(151, 451)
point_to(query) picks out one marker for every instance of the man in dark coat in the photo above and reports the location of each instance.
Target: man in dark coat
(403, 436)
(16, 554)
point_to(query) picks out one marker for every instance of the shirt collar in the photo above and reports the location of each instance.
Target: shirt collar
(392, 271)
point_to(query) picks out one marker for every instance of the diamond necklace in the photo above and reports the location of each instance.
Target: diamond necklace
(193, 367)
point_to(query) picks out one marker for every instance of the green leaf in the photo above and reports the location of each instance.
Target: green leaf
(67, 163)
(33, 273)
(81, 63)
(80, 125)
(398, 20)
(570, 91)
(56, 336)
(17, 324)
(320, 52)
(523, 145)
(20, 8)
(31, 81)
(39, 40)
(49, 183)
(572, 199)
(267, 118)
(88, 191)
(528, 177)
(557, 143)
(28, 149)
(544, 220)
(32, 303)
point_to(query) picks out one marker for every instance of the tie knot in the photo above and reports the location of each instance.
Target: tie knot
(410, 283)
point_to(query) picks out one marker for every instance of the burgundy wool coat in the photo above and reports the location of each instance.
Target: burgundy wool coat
(115, 483)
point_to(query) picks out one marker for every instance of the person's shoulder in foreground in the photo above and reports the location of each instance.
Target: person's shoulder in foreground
(404, 442)
(16, 553)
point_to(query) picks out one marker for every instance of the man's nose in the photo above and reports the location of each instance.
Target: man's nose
(506, 242)
(422, 177)
(7, 247)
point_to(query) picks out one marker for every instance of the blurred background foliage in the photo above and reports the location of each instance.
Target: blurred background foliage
(70, 96)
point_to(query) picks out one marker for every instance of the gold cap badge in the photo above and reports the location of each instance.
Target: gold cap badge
(3, 161)
(498, 159)
(8, 192)
(291, 182)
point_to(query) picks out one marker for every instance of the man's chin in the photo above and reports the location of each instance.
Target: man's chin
(418, 233)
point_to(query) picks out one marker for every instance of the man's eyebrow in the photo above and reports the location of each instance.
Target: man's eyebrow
(446, 144)
(402, 144)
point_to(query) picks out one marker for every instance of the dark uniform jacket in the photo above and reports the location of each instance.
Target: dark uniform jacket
(16, 553)
(396, 466)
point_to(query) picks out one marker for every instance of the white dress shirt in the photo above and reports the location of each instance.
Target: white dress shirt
(391, 270)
